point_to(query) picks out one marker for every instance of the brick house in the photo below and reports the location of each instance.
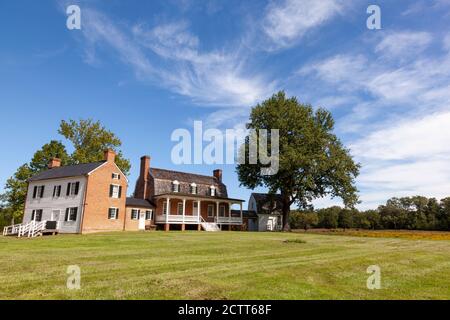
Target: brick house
(81, 198)
(187, 200)
(91, 197)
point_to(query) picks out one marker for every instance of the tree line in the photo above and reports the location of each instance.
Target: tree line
(410, 213)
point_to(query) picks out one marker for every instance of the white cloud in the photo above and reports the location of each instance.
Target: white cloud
(400, 118)
(286, 22)
(406, 158)
(404, 44)
(168, 55)
(409, 139)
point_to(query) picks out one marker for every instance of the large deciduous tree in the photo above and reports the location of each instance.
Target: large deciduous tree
(90, 139)
(313, 163)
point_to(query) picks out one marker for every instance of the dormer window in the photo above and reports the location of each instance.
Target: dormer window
(175, 186)
(212, 191)
(193, 188)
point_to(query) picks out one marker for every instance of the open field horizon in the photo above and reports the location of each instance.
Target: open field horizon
(225, 265)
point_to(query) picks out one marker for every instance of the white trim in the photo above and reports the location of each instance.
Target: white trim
(89, 173)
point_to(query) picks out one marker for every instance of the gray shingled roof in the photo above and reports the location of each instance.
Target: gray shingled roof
(268, 203)
(182, 176)
(67, 171)
(245, 213)
(141, 203)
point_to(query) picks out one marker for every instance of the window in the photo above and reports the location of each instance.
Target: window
(71, 214)
(113, 213)
(135, 214)
(116, 176)
(193, 188)
(175, 186)
(222, 211)
(210, 210)
(180, 208)
(56, 191)
(36, 215)
(165, 207)
(38, 192)
(148, 215)
(115, 191)
(72, 188)
(212, 191)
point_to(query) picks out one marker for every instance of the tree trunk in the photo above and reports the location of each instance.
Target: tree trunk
(286, 213)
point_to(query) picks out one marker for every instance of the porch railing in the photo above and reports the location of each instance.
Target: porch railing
(228, 220)
(175, 218)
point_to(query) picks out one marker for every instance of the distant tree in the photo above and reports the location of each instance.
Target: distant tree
(6, 217)
(16, 192)
(444, 214)
(329, 217)
(373, 216)
(42, 157)
(312, 161)
(16, 186)
(345, 219)
(90, 139)
(360, 220)
(393, 214)
(304, 219)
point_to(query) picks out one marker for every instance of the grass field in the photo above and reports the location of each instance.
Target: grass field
(226, 265)
(403, 234)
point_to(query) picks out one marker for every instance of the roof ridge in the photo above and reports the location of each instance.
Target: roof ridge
(193, 174)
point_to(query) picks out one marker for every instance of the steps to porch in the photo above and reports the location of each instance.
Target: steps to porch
(210, 226)
(31, 229)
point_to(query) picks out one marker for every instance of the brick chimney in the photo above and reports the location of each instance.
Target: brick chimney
(218, 174)
(54, 163)
(145, 167)
(109, 155)
(141, 185)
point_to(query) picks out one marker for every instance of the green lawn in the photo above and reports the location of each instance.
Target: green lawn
(226, 265)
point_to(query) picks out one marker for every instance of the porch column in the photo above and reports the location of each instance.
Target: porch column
(240, 204)
(217, 210)
(184, 208)
(229, 211)
(199, 210)
(167, 210)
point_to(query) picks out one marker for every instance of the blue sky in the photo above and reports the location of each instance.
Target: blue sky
(145, 69)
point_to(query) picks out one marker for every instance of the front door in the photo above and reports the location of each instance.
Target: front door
(142, 221)
(195, 211)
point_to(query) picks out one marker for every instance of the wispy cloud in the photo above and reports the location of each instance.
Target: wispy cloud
(288, 21)
(169, 55)
(400, 117)
(402, 44)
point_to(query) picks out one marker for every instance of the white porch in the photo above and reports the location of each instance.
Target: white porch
(185, 209)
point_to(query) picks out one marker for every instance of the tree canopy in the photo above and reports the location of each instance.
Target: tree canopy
(90, 139)
(313, 163)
